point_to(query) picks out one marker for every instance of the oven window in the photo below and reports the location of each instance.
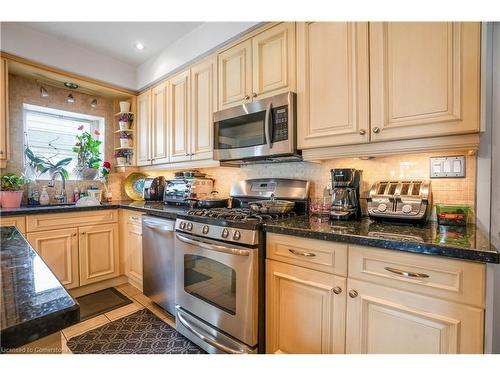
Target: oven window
(210, 281)
(243, 131)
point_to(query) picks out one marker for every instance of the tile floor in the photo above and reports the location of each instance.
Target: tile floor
(139, 301)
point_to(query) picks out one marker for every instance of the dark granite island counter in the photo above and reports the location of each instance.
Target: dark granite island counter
(34, 304)
(467, 243)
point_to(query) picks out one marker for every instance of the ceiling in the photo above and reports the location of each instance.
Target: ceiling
(118, 39)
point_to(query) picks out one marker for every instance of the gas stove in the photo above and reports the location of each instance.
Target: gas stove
(238, 214)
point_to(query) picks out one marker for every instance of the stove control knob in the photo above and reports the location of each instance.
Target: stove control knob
(225, 233)
(236, 235)
(189, 226)
(206, 228)
(182, 225)
(382, 207)
(406, 208)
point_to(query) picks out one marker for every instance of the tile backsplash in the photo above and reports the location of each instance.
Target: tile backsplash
(445, 190)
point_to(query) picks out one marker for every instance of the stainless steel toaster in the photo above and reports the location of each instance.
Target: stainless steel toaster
(406, 200)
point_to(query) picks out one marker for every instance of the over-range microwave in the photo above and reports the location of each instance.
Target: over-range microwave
(263, 130)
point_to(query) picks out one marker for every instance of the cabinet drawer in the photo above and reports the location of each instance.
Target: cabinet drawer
(443, 278)
(134, 218)
(18, 221)
(70, 219)
(320, 255)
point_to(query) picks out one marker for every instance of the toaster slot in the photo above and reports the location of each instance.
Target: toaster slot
(392, 188)
(381, 188)
(405, 188)
(415, 190)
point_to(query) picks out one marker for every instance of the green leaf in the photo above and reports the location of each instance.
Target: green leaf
(63, 162)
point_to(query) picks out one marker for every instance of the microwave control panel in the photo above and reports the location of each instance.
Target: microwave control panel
(280, 123)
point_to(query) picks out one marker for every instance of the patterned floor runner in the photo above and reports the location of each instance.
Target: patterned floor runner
(138, 333)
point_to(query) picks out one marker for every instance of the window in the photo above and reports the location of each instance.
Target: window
(51, 133)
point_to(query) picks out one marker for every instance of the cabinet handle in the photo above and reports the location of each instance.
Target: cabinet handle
(1, 152)
(337, 290)
(302, 253)
(74, 234)
(362, 131)
(376, 130)
(83, 233)
(247, 97)
(254, 95)
(407, 273)
(353, 293)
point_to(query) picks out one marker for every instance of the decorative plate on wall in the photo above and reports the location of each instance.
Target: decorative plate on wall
(134, 184)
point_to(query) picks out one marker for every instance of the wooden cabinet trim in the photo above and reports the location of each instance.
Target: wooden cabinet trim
(17, 221)
(41, 222)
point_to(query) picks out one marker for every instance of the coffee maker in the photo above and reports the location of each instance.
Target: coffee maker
(345, 194)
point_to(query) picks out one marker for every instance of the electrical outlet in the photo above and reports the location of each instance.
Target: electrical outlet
(447, 167)
(51, 183)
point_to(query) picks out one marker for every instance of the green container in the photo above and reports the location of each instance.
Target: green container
(452, 214)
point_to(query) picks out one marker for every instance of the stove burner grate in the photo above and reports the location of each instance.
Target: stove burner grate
(238, 214)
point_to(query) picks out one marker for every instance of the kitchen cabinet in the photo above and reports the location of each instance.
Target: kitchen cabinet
(143, 123)
(98, 252)
(16, 221)
(382, 320)
(4, 113)
(159, 124)
(258, 67)
(179, 108)
(305, 310)
(59, 250)
(332, 84)
(203, 105)
(133, 261)
(424, 79)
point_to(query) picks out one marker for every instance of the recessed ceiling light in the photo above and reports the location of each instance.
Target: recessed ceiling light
(71, 85)
(139, 46)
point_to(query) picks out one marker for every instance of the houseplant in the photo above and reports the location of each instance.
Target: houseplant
(87, 149)
(42, 164)
(122, 157)
(11, 189)
(125, 139)
(125, 121)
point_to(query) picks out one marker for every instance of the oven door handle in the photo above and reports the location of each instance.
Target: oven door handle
(205, 337)
(209, 246)
(267, 125)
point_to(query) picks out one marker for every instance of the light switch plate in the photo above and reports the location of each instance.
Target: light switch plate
(447, 167)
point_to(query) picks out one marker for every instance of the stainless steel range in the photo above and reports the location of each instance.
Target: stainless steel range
(219, 259)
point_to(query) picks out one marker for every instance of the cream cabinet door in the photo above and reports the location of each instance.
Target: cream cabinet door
(178, 110)
(98, 253)
(332, 84)
(235, 75)
(203, 104)
(382, 320)
(424, 79)
(273, 56)
(4, 109)
(159, 128)
(303, 312)
(59, 250)
(133, 261)
(143, 122)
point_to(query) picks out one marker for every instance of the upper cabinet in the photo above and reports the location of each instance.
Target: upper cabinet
(4, 117)
(143, 123)
(424, 79)
(179, 117)
(332, 83)
(258, 67)
(159, 124)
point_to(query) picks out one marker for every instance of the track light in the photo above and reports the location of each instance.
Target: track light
(93, 103)
(43, 92)
(70, 98)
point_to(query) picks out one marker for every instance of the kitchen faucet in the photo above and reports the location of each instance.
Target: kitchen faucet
(61, 197)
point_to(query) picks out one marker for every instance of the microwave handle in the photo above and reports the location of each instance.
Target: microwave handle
(267, 125)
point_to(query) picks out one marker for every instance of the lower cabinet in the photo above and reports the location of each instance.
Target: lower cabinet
(305, 310)
(383, 320)
(98, 252)
(59, 250)
(133, 253)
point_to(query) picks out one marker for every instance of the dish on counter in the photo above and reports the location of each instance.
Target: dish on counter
(134, 184)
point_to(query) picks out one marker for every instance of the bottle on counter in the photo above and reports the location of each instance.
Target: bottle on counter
(33, 194)
(76, 195)
(44, 197)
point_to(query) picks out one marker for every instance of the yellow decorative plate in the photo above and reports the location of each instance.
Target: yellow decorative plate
(134, 183)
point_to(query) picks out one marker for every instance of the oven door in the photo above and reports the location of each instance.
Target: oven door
(217, 282)
(259, 129)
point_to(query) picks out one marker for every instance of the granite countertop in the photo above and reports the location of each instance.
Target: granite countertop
(34, 303)
(467, 243)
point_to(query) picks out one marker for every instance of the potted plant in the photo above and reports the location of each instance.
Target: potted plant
(42, 164)
(125, 139)
(11, 190)
(122, 157)
(124, 106)
(125, 121)
(87, 149)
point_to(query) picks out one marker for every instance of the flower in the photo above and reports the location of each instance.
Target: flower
(106, 164)
(80, 127)
(96, 132)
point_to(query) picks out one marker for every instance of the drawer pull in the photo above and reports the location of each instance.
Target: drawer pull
(337, 290)
(407, 273)
(302, 253)
(353, 293)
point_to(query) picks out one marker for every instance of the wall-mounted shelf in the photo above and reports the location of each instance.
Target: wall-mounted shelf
(121, 113)
(124, 131)
(123, 148)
